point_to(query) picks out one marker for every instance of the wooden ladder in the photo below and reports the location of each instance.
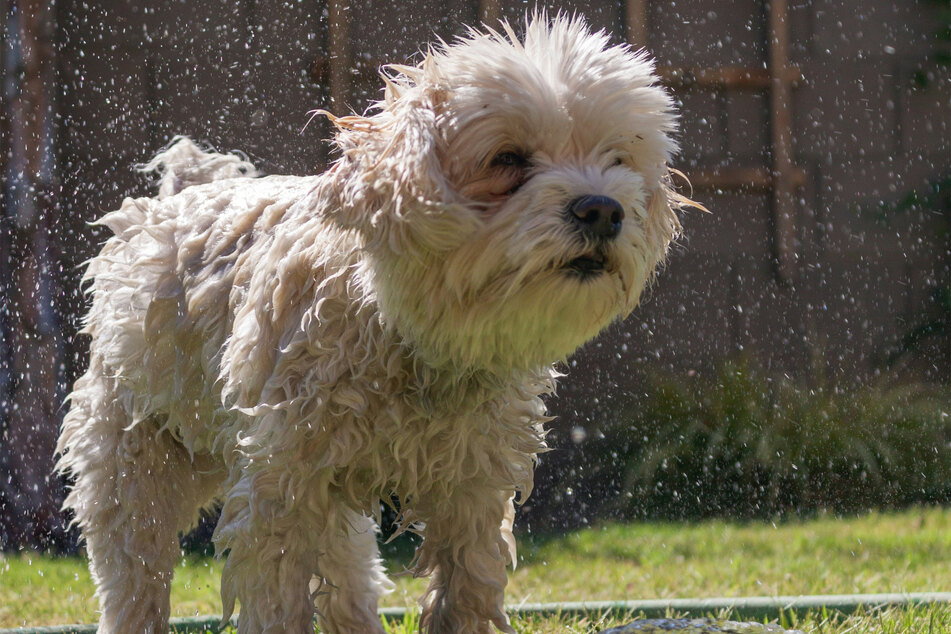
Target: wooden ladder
(782, 177)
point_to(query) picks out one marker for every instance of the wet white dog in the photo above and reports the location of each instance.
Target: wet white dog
(298, 349)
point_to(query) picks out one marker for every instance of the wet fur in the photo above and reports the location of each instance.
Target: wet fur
(298, 348)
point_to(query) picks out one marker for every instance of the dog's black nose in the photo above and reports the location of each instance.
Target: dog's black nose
(599, 217)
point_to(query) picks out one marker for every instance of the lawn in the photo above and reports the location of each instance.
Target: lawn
(895, 552)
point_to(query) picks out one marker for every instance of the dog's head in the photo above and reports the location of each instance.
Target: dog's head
(513, 192)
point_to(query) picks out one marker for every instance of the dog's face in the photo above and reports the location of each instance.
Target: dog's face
(512, 193)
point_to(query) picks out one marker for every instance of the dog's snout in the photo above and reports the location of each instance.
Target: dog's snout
(598, 216)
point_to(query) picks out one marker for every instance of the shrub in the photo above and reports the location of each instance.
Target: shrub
(747, 444)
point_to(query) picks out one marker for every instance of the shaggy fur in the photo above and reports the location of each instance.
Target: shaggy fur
(299, 348)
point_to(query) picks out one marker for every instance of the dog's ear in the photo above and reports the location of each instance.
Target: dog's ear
(390, 170)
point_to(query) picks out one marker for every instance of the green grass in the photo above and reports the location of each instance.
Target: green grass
(900, 552)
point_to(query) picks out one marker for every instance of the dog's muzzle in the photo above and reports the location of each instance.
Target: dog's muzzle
(598, 217)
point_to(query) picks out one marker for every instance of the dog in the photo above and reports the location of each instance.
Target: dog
(297, 349)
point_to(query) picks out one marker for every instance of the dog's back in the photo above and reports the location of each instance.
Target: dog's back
(153, 306)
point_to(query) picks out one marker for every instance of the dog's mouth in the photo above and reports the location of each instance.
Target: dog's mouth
(587, 265)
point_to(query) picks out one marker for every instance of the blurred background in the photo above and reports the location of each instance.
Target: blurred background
(795, 354)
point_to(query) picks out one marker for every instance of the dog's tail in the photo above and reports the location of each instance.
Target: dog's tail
(183, 163)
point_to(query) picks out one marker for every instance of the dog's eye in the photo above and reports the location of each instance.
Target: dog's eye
(510, 171)
(509, 159)
(617, 161)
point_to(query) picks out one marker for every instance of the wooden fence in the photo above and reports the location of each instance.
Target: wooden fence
(800, 119)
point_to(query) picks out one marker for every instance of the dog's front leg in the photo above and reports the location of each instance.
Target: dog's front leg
(270, 538)
(466, 545)
(290, 540)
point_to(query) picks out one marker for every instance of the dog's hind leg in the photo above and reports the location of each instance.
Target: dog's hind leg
(350, 579)
(135, 490)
